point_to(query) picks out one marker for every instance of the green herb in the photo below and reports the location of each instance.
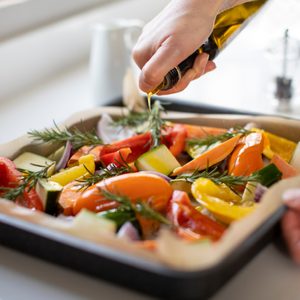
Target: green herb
(218, 178)
(209, 140)
(133, 119)
(75, 136)
(140, 207)
(156, 123)
(103, 173)
(28, 180)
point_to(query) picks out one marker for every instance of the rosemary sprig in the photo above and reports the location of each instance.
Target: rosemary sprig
(219, 178)
(103, 173)
(28, 180)
(212, 139)
(139, 207)
(156, 123)
(75, 136)
(133, 119)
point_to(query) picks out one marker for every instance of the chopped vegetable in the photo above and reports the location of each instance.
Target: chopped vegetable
(210, 157)
(34, 163)
(49, 191)
(152, 189)
(248, 150)
(183, 215)
(275, 144)
(86, 168)
(158, 159)
(285, 168)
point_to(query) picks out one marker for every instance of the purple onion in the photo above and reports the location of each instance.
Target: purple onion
(167, 178)
(128, 231)
(65, 157)
(259, 192)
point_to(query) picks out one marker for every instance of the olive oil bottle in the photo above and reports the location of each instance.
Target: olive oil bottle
(227, 25)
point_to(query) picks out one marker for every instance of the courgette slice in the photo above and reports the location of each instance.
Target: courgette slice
(159, 159)
(34, 162)
(48, 192)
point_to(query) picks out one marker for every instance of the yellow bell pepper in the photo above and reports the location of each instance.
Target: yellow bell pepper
(224, 211)
(274, 144)
(219, 200)
(208, 187)
(85, 168)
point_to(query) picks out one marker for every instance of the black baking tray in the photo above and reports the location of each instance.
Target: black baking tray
(133, 272)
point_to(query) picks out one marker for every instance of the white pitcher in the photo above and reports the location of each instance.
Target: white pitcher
(110, 57)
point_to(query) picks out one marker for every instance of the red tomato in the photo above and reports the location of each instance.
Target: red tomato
(184, 215)
(10, 177)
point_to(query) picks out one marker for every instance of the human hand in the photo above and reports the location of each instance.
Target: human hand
(180, 29)
(290, 223)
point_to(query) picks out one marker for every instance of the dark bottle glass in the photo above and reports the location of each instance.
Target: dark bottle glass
(227, 25)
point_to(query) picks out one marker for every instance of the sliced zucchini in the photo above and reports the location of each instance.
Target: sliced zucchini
(268, 175)
(48, 192)
(34, 162)
(56, 155)
(89, 223)
(159, 159)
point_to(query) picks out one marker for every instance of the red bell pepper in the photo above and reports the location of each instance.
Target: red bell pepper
(119, 158)
(174, 138)
(184, 215)
(138, 145)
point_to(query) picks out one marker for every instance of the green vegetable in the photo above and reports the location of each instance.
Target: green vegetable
(158, 159)
(48, 192)
(268, 175)
(34, 163)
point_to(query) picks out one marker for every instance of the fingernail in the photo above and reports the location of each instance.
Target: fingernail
(292, 195)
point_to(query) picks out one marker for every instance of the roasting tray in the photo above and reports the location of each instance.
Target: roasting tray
(38, 236)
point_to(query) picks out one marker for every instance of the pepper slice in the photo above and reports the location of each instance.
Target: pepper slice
(174, 138)
(183, 214)
(247, 156)
(138, 145)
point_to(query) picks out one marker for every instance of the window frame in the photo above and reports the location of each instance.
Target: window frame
(32, 14)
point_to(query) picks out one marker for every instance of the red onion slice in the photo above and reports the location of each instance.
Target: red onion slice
(128, 231)
(109, 133)
(259, 192)
(65, 157)
(167, 178)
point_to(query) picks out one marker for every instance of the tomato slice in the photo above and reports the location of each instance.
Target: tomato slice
(10, 177)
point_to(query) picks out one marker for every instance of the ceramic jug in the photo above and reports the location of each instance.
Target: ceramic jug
(110, 57)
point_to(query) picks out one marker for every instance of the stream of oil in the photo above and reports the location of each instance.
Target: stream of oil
(149, 96)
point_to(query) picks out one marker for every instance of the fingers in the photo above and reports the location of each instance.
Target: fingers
(291, 198)
(200, 67)
(167, 56)
(291, 232)
(291, 223)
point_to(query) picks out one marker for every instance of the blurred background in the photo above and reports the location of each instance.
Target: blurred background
(46, 59)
